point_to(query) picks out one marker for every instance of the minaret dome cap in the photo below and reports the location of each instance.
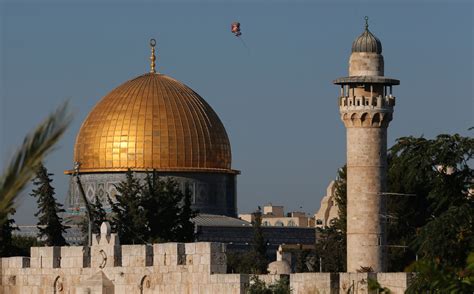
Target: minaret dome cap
(367, 42)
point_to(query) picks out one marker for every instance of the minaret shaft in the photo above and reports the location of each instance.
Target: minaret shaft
(366, 180)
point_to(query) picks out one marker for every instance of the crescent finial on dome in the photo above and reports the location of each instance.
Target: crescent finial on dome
(152, 57)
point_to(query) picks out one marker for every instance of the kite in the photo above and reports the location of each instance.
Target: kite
(235, 29)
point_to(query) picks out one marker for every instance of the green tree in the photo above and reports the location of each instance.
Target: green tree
(21, 245)
(257, 286)
(165, 203)
(432, 277)
(259, 245)
(437, 222)
(6, 237)
(302, 258)
(331, 249)
(255, 260)
(128, 213)
(340, 197)
(50, 224)
(98, 216)
(185, 231)
(155, 211)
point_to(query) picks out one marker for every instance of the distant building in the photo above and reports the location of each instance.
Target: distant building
(73, 234)
(274, 216)
(328, 209)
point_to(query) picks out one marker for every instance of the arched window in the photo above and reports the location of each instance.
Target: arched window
(319, 222)
(291, 223)
(279, 224)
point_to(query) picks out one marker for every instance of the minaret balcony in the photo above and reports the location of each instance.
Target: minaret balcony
(379, 103)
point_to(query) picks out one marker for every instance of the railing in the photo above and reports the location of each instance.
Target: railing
(362, 102)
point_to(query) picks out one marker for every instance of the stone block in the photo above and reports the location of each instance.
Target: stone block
(205, 289)
(15, 262)
(189, 260)
(357, 281)
(203, 247)
(190, 248)
(395, 282)
(105, 256)
(323, 283)
(34, 252)
(169, 254)
(45, 257)
(136, 255)
(209, 247)
(205, 258)
(34, 280)
(75, 256)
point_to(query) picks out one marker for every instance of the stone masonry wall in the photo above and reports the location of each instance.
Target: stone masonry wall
(198, 268)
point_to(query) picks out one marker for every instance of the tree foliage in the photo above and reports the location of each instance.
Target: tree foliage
(340, 197)
(168, 210)
(330, 247)
(6, 237)
(257, 286)
(21, 245)
(186, 230)
(50, 223)
(433, 277)
(259, 245)
(98, 216)
(254, 261)
(153, 211)
(437, 222)
(128, 213)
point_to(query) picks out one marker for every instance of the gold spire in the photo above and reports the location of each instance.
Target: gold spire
(152, 57)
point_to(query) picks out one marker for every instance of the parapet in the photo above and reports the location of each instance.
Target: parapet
(45, 257)
(106, 252)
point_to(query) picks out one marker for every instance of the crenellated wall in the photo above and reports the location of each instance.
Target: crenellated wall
(108, 267)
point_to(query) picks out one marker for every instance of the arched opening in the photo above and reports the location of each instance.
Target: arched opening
(145, 284)
(58, 285)
(376, 119)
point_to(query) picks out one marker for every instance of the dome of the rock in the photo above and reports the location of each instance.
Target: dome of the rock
(153, 122)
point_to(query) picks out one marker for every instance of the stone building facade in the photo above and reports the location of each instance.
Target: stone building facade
(274, 216)
(195, 268)
(328, 210)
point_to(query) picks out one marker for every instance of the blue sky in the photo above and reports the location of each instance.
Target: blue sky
(276, 99)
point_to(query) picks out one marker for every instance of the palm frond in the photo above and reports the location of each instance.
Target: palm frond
(34, 148)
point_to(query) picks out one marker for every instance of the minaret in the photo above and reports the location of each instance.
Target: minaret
(366, 106)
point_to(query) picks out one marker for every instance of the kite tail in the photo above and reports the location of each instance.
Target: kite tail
(245, 45)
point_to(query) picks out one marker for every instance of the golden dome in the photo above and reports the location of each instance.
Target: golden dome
(153, 122)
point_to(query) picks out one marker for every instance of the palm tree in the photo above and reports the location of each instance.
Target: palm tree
(35, 146)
